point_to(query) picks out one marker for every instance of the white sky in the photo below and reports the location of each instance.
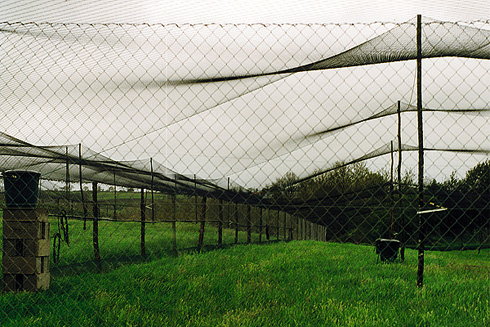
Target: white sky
(243, 11)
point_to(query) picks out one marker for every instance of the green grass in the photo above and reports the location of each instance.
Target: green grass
(303, 283)
(120, 243)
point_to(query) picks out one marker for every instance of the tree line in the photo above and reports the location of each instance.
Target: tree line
(359, 205)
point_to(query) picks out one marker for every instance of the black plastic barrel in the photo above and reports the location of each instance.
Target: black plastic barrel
(21, 188)
(387, 249)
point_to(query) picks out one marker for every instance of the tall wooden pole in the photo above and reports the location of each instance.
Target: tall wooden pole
(200, 244)
(195, 196)
(220, 222)
(115, 196)
(392, 191)
(81, 186)
(95, 232)
(260, 225)
(67, 182)
(236, 223)
(249, 223)
(143, 219)
(152, 196)
(420, 269)
(174, 220)
(401, 224)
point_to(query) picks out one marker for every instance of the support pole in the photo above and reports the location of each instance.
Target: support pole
(392, 191)
(420, 269)
(152, 196)
(143, 219)
(203, 223)
(81, 186)
(115, 197)
(95, 232)
(220, 222)
(236, 223)
(67, 183)
(285, 222)
(195, 196)
(278, 231)
(401, 225)
(260, 225)
(267, 220)
(249, 224)
(174, 220)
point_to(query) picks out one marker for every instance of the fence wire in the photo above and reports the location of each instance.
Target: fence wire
(158, 139)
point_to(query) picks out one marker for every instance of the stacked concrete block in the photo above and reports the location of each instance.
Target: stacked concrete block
(25, 259)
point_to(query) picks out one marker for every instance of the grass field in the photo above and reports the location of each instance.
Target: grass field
(300, 283)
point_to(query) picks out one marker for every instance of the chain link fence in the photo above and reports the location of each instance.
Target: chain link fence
(158, 139)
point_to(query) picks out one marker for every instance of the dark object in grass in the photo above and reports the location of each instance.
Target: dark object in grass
(387, 249)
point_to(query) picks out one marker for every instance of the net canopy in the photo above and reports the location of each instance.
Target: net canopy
(234, 105)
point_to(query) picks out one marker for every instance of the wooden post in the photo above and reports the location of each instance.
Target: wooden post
(81, 186)
(420, 268)
(220, 222)
(95, 232)
(278, 225)
(260, 225)
(195, 196)
(249, 225)
(401, 225)
(236, 223)
(285, 226)
(174, 227)
(143, 219)
(115, 196)
(152, 196)
(67, 182)
(298, 229)
(392, 190)
(294, 225)
(267, 232)
(303, 234)
(200, 243)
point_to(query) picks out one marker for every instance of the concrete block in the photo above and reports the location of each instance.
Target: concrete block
(26, 247)
(30, 214)
(24, 265)
(25, 230)
(29, 283)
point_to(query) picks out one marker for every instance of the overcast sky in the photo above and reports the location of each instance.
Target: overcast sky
(243, 11)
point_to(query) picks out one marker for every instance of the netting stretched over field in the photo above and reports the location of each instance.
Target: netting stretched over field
(71, 163)
(246, 103)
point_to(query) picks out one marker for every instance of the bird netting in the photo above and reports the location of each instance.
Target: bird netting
(246, 103)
